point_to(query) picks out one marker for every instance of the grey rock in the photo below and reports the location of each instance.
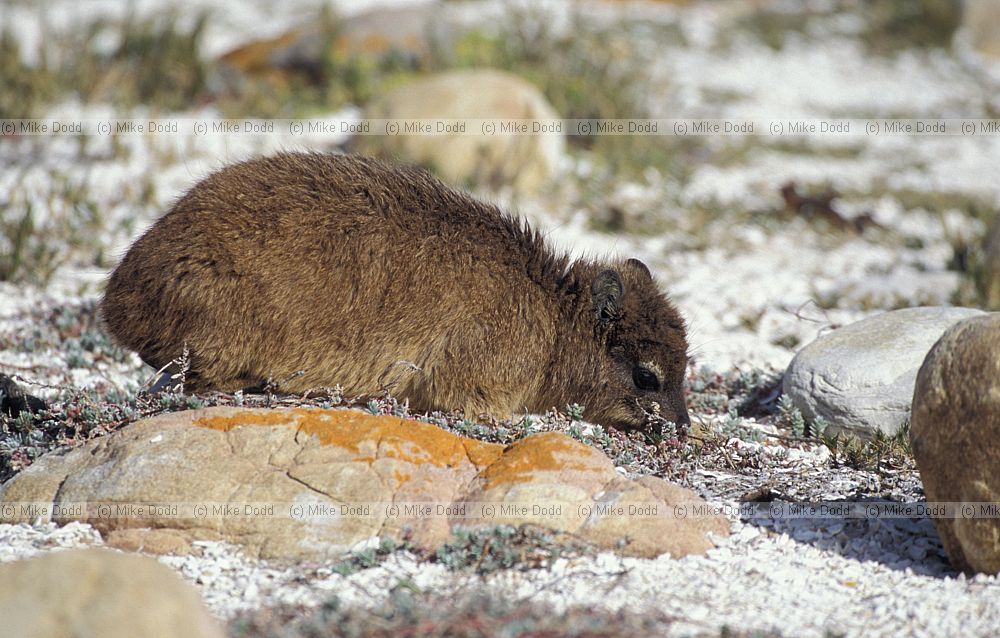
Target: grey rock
(860, 377)
(981, 27)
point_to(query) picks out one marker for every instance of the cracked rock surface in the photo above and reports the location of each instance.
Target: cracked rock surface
(320, 482)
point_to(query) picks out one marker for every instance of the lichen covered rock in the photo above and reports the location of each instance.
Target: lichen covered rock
(304, 50)
(319, 482)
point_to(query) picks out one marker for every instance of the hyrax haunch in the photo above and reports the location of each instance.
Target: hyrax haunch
(317, 270)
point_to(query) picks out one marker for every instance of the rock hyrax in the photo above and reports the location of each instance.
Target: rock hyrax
(330, 269)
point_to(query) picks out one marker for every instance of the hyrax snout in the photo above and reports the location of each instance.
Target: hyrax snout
(316, 270)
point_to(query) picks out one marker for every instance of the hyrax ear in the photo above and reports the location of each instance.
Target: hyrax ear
(607, 290)
(641, 267)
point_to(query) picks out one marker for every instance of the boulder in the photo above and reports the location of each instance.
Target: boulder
(94, 592)
(310, 483)
(981, 27)
(303, 51)
(986, 271)
(955, 436)
(860, 377)
(527, 162)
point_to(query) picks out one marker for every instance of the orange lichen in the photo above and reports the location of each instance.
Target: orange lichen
(256, 57)
(389, 437)
(227, 423)
(386, 437)
(342, 428)
(374, 43)
(420, 442)
(481, 454)
(546, 452)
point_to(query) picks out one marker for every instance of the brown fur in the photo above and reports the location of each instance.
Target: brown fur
(341, 266)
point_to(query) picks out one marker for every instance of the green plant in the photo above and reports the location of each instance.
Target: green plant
(750, 393)
(591, 70)
(33, 248)
(475, 613)
(889, 26)
(733, 427)
(575, 411)
(17, 234)
(579, 69)
(818, 427)
(71, 417)
(486, 550)
(894, 25)
(25, 87)
(156, 61)
(370, 557)
(790, 416)
(881, 453)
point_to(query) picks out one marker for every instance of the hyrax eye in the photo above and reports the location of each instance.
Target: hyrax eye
(645, 379)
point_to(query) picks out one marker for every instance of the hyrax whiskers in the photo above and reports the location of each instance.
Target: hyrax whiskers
(337, 267)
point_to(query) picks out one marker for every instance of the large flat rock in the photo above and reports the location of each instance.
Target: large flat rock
(319, 482)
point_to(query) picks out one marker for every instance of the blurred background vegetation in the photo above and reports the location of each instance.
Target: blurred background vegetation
(592, 68)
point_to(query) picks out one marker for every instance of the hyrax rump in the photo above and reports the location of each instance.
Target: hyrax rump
(316, 270)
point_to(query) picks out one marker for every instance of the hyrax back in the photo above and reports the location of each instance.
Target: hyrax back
(326, 269)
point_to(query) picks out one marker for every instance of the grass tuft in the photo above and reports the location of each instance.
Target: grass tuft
(887, 26)
(38, 235)
(156, 62)
(25, 88)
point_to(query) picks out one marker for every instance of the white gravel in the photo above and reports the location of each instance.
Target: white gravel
(803, 581)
